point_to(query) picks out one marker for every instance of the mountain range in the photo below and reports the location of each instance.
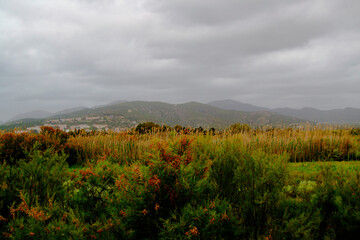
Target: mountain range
(39, 114)
(188, 114)
(128, 114)
(334, 116)
(218, 114)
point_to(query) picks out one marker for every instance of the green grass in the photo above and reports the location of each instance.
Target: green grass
(315, 167)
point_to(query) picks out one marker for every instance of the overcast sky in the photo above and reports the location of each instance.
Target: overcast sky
(66, 53)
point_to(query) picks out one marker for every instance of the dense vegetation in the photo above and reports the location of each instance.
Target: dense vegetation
(177, 183)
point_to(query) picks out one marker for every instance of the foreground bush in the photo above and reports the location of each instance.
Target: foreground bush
(13, 147)
(172, 186)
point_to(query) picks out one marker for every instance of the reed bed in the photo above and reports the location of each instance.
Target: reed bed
(300, 145)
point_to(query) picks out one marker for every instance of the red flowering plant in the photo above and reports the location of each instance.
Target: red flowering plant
(171, 180)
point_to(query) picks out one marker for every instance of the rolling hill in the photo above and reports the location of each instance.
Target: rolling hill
(230, 104)
(40, 114)
(334, 116)
(37, 114)
(194, 114)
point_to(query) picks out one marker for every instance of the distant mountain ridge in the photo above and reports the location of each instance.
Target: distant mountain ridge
(334, 116)
(70, 110)
(337, 116)
(36, 114)
(187, 114)
(40, 114)
(230, 104)
(214, 114)
(194, 114)
(109, 104)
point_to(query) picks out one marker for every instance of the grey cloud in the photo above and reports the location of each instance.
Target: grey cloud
(66, 53)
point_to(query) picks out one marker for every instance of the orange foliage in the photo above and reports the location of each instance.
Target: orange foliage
(87, 173)
(144, 212)
(123, 213)
(193, 231)
(224, 217)
(157, 207)
(33, 212)
(154, 181)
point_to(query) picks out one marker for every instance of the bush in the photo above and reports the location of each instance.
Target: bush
(31, 185)
(355, 131)
(179, 185)
(210, 219)
(13, 147)
(147, 127)
(251, 183)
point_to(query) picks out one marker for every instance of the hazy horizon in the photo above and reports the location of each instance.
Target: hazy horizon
(61, 54)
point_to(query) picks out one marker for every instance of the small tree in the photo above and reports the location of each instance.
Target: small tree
(178, 128)
(146, 127)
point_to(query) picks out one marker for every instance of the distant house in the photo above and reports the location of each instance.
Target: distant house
(36, 128)
(79, 127)
(67, 119)
(92, 118)
(70, 119)
(101, 126)
(59, 126)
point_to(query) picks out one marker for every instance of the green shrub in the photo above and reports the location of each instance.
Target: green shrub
(147, 127)
(31, 185)
(251, 183)
(211, 219)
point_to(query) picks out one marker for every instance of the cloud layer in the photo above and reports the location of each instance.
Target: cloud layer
(65, 53)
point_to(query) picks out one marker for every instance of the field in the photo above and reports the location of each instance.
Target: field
(181, 184)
